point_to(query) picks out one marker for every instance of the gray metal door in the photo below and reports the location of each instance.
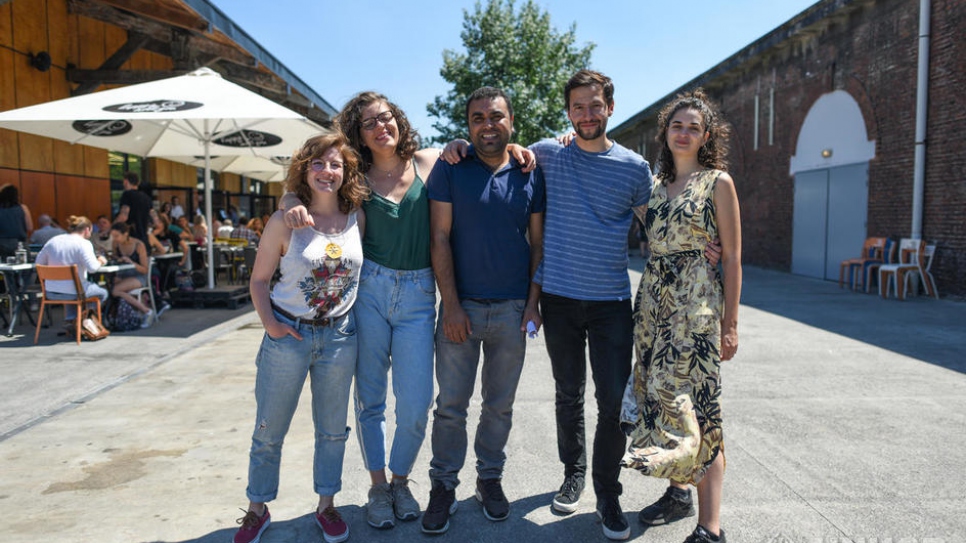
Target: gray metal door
(848, 204)
(809, 223)
(829, 223)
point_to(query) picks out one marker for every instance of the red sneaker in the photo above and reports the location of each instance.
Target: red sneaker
(334, 529)
(252, 526)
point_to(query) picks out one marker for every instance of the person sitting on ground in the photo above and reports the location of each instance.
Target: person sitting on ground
(130, 250)
(46, 231)
(73, 248)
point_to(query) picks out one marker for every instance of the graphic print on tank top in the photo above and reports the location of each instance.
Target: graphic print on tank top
(329, 283)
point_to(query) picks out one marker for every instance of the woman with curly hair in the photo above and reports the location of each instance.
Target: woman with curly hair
(309, 328)
(686, 318)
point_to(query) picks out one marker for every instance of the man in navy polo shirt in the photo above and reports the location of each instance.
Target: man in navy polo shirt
(486, 219)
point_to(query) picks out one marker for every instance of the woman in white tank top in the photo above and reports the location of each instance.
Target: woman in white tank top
(309, 328)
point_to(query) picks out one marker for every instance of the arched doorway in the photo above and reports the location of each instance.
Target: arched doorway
(831, 171)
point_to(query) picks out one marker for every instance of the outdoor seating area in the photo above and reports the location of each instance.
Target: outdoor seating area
(897, 267)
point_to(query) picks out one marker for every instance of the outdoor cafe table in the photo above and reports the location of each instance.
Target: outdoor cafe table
(17, 277)
(166, 264)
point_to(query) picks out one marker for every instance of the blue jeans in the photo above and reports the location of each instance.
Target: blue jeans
(496, 328)
(569, 326)
(92, 290)
(395, 313)
(327, 354)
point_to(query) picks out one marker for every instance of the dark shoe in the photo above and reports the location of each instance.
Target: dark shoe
(334, 529)
(612, 518)
(700, 535)
(442, 504)
(252, 526)
(489, 492)
(568, 498)
(675, 504)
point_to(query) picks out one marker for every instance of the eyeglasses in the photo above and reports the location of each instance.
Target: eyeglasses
(370, 123)
(319, 165)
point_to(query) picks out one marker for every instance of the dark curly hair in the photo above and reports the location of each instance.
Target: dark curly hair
(349, 120)
(714, 153)
(352, 192)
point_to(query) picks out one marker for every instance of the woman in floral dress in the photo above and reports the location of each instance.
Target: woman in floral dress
(686, 318)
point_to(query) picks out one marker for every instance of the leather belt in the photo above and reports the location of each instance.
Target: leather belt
(302, 320)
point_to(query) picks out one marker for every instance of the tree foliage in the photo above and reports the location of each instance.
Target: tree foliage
(519, 52)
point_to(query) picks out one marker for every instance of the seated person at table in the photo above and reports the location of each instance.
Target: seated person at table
(182, 227)
(226, 228)
(66, 250)
(164, 240)
(244, 231)
(130, 250)
(46, 231)
(101, 238)
(199, 230)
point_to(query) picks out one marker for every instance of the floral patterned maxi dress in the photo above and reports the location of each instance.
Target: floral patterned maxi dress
(671, 404)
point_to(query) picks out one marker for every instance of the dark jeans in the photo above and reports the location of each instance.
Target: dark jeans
(607, 327)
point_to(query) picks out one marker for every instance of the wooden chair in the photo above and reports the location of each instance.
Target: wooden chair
(64, 273)
(917, 263)
(890, 255)
(872, 251)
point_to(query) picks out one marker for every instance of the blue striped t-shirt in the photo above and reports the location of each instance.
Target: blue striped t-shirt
(590, 197)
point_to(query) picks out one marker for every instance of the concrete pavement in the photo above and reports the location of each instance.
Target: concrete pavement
(844, 419)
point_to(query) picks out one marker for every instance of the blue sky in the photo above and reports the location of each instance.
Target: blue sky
(649, 48)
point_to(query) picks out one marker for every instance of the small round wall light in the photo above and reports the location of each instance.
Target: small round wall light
(826, 153)
(41, 61)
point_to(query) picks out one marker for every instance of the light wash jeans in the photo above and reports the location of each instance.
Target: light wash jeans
(91, 290)
(327, 354)
(496, 328)
(395, 313)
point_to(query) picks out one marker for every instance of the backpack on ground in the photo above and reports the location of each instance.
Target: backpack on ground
(127, 317)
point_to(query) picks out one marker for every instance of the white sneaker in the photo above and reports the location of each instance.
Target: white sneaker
(148, 319)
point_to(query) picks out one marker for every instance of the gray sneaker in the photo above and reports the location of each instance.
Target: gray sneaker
(379, 509)
(403, 502)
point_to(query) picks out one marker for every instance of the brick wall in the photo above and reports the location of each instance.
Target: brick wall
(870, 50)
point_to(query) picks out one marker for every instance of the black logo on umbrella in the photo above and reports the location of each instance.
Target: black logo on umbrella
(154, 106)
(247, 138)
(102, 128)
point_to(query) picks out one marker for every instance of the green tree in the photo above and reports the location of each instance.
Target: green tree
(518, 52)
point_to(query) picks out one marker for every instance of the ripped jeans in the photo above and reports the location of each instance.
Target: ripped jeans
(327, 354)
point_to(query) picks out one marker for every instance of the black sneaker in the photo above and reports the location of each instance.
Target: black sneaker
(700, 535)
(567, 499)
(612, 518)
(490, 493)
(442, 504)
(675, 504)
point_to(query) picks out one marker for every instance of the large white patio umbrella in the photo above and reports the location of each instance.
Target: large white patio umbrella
(197, 114)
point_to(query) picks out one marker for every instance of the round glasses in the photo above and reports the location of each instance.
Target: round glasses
(319, 165)
(370, 123)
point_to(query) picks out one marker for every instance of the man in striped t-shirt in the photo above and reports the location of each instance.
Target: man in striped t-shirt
(594, 186)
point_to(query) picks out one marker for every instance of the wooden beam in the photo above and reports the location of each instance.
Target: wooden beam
(118, 77)
(158, 11)
(113, 63)
(252, 77)
(157, 31)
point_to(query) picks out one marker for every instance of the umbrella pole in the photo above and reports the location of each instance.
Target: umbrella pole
(211, 218)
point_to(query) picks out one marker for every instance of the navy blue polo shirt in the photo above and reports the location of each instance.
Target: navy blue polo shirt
(491, 215)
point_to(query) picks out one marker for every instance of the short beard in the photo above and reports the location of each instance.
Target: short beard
(593, 135)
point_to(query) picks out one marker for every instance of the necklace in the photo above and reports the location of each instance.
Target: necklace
(389, 173)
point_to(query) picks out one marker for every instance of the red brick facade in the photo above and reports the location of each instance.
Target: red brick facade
(870, 50)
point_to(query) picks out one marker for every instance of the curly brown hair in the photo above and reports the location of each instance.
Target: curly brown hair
(349, 120)
(714, 153)
(352, 192)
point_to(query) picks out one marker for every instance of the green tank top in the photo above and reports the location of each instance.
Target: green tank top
(397, 235)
